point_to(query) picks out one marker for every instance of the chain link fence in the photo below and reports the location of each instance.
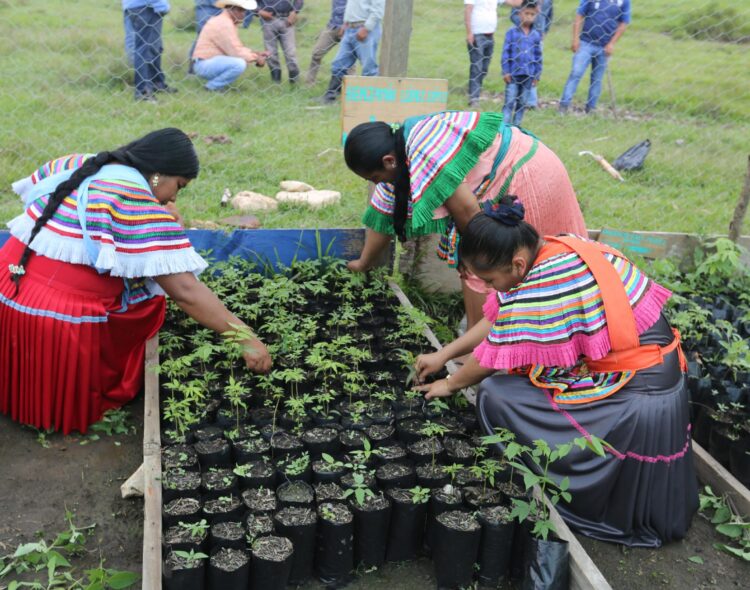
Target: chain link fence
(679, 76)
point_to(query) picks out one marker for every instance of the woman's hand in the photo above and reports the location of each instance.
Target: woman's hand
(172, 209)
(427, 364)
(357, 265)
(257, 358)
(440, 388)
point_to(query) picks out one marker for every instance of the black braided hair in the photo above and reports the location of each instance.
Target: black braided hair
(167, 151)
(364, 149)
(492, 237)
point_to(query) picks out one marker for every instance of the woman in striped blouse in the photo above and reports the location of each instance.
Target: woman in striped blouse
(83, 275)
(431, 173)
(577, 333)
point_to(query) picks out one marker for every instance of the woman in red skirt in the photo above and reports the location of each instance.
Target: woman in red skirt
(83, 278)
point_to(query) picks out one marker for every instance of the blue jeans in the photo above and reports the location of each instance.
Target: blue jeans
(220, 71)
(480, 55)
(587, 54)
(146, 24)
(129, 39)
(352, 49)
(516, 99)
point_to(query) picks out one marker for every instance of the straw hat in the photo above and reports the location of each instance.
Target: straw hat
(246, 4)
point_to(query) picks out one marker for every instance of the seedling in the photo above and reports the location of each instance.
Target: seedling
(197, 529)
(419, 495)
(191, 558)
(359, 489)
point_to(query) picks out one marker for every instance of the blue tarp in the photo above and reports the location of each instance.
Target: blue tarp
(272, 245)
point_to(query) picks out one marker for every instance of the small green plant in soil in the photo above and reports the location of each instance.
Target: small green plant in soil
(53, 558)
(359, 489)
(191, 558)
(196, 529)
(727, 523)
(419, 495)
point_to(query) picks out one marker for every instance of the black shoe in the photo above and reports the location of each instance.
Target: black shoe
(168, 90)
(145, 97)
(276, 76)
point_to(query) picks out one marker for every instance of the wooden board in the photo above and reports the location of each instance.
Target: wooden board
(712, 473)
(151, 575)
(377, 98)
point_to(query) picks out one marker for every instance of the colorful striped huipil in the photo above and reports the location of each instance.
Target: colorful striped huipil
(550, 323)
(72, 338)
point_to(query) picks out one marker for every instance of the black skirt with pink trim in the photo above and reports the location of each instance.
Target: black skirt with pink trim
(644, 492)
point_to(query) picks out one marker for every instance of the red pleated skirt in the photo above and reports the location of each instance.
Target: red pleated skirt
(66, 354)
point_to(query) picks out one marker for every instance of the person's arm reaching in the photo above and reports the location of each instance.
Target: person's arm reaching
(470, 374)
(462, 205)
(427, 364)
(201, 304)
(375, 244)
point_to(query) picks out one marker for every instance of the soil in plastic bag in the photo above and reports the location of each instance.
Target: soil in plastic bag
(546, 564)
(495, 550)
(371, 535)
(236, 579)
(406, 531)
(266, 574)
(454, 553)
(334, 553)
(302, 537)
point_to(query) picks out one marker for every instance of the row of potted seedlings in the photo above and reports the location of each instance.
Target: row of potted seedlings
(712, 311)
(330, 463)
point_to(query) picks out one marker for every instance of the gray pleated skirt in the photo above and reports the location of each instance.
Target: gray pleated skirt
(645, 492)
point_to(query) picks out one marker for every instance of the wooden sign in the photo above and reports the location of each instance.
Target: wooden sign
(375, 98)
(642, 243)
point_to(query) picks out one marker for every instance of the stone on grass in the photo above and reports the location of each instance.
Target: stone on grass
(295, 186)
(314, 199)
(250, 201)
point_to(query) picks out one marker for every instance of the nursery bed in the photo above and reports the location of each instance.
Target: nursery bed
(584, 575)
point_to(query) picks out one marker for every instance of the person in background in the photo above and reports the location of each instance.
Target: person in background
(521, 63)
(145, 18)
(432, 172)
(542, 23)
(597, 27)
(583, 348)
(204, 10)
(327, 39)
(480, 18)
(362, 30)
(83, 275)
(278, 18)
(129, 39)
(219, 56)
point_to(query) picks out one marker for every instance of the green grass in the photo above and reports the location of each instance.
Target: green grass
(66, 88)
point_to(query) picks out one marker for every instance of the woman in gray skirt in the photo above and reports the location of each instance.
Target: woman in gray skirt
(574, 343)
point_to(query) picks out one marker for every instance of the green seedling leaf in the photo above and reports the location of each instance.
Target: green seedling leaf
(731, 530)
(696, 559)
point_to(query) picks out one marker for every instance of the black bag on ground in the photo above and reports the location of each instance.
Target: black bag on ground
(634, 157)
(546, 564)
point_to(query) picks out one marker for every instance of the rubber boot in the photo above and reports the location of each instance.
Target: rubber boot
(334, 89)
(276, 76)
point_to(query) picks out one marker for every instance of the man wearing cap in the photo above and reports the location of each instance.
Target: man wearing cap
(219, 56)
(278, 18)
(362, 20)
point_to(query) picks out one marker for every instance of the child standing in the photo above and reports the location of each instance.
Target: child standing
(522, 62)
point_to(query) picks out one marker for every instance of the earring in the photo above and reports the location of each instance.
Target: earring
(155, 180)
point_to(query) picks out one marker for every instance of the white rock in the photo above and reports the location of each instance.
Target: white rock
(250, 201)
(295, 186)
(314, 199)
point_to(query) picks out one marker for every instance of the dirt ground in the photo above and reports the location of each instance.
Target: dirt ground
(38, 484)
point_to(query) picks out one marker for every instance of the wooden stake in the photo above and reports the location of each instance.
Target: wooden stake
(735, 226)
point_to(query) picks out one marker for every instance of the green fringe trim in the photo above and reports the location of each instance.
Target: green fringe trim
(377, 221)
(382, 223)
(446, 183)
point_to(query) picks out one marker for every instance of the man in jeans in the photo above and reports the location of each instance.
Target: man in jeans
(145, 19)
(219, 56)
(597, 27)
(362, 28)
(480, 17)
(328, 37)
(278, 18)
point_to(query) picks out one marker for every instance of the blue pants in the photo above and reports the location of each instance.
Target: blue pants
(352, 49)
(516, 99)
(480, 55)
(587, 54)
(220, 71)
(129, 39)
(146, 24)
